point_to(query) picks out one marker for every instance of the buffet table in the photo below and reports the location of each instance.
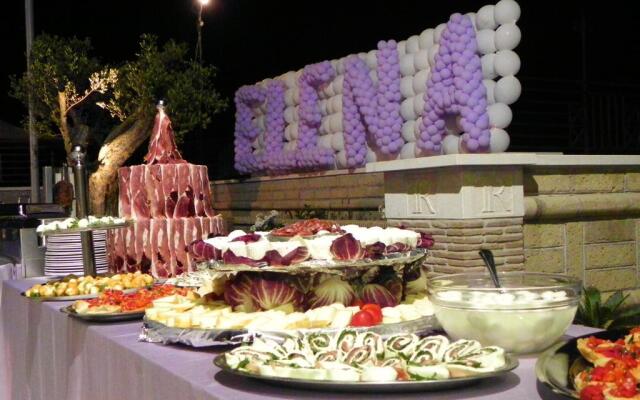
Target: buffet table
(46, 354)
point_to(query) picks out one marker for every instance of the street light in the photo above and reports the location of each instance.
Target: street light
(199, 25)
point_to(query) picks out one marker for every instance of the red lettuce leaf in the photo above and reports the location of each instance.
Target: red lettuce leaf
(346, 247)
(229, 257)
(248, 238)
(203, 251)
(426, 241)
(378, 294)
(394, 285)
(397, 248)
(268, 294)
(330, 291)
(297, 255)
(374, 251)
(237, 293)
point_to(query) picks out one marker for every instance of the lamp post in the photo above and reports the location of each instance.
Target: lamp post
(33, 140)
(199, 25)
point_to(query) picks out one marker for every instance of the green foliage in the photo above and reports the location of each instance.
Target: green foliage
(55, 61)
(156, 72)
(308, 212)
(611, 314)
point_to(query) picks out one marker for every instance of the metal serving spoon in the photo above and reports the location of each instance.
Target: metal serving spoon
(487, 257)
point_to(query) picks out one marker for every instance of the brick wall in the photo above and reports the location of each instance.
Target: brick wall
(602, 250)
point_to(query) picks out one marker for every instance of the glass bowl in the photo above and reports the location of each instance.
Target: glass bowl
(528, 314)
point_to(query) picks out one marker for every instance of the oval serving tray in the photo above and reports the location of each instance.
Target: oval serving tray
(105, 317)
(557, 366)
(372, 387)
(80, 296)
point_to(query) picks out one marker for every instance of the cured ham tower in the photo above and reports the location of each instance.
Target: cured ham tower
(170, 203)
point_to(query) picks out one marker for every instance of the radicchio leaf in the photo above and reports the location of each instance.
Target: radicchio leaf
(297, 255)
(330, 291)
(229, 257)
(248, 238)
(375, 251)
(394, 285)
(426, 241)
(378, 294)
(237, 293)
(397, 248)
(346, 247)
(270, 293)
(203, 251)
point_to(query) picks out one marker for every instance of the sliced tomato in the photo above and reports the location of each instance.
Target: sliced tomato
(374, 310)
(362, 318)
(592, 392)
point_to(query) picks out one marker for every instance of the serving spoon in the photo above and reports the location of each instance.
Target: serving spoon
(487, 257)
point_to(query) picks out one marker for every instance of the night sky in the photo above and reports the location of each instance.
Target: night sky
(249, 40)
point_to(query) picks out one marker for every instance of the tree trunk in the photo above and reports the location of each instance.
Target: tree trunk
(113, 154)
(64, 124)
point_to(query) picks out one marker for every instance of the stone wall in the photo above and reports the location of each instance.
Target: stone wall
(583, 232)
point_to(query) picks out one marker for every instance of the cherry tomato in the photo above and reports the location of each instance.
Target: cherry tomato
(362, 318)
(592, 392)
(373, 309)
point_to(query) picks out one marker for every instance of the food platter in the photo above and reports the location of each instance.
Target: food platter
(78, 297)
(557, 366)
(372, 387)
(156, 332)
(104, 317)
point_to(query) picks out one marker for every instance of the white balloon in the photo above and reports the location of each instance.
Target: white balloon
(499, 141)
(437, 34)
(488, 66)
(418, 104)
(433, 50)
(340, 66)
(486, 41)
(402, 48)
(420, 81)
(421, 60)
(472, 17)
(289, 95)
(408, 133)
(323, 104)
(335, 123)
(406, 109)
(500, 115)
(324, 126)
(406, 87)
(506, 62)
(485, 19)
(406, 65)
(508, 90)
(371, 156)
(408, 151)
(287, 133)
(506, 11)
(337, 141)
(328, 91)
(325, 141)
(289, 114)
(413, 44)
(291, 146)
(491, 87)
(296, 97)
(450, 144)
(335, 104)
(341, 159)
(426, 38)
(507, 36)
(294, 130)
(289, 79)
(373, 74)
(371, 59)
(337, 84)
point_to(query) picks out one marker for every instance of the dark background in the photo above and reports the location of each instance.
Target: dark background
(579, 61)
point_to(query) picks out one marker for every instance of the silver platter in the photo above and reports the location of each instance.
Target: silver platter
(557, 366)
(372, 387)
(79, 297)
(156, 332)
(110, 317)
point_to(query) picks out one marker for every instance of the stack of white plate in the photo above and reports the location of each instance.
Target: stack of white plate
(64, 254)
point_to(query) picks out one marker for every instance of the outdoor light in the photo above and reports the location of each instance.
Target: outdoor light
(199, 25)
(203, 2)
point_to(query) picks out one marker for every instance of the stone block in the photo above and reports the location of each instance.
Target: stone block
(510, 237)
(501, 222)
(543, 235)
(464, 239)
(452, 223)
(609, 231)
(544, 183)
(544, 260)
(610, 255)
(465, 232)
(632, 182)
(612, 279)
(575, 249)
